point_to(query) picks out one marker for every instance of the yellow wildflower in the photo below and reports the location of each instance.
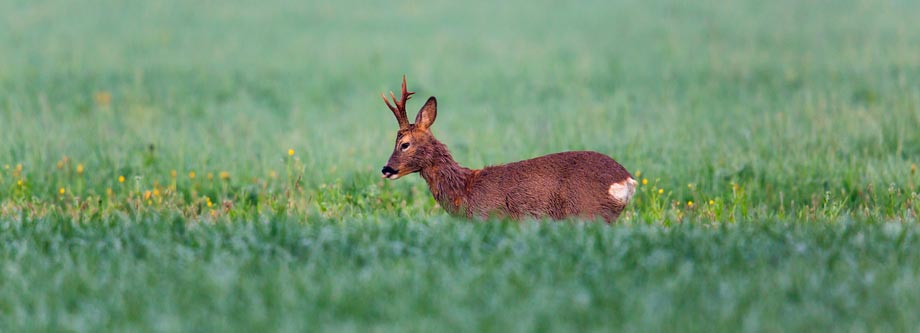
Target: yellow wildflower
(644, 181)
(210, 176)
(290, 152)
(224, 175)
(102, 98)
(121, 179)
(660, 191)
(173, 173)
(689, 203)
(19, 183)
(147, 195)
(62, 191)
(690, 186)
(711, 202)
(191, 175)
(156, 192)
(80, 169)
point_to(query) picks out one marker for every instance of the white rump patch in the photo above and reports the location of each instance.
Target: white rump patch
(623, 191)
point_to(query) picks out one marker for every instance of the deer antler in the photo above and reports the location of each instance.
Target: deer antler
(400, 110)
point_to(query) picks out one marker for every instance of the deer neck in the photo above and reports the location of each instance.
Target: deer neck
(447, 180)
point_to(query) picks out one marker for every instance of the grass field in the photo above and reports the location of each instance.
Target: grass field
(188, 166)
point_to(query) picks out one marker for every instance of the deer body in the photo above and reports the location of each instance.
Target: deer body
(581, 184)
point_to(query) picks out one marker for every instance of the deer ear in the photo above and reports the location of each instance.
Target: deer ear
(426, 115)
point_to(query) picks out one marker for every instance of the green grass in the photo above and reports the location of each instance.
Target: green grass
(399, 275)
(791, 127)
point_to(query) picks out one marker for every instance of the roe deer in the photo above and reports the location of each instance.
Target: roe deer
(582, 184)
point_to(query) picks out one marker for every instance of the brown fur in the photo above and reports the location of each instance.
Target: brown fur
(561, 185)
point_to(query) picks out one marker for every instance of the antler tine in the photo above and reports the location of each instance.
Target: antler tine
(385, 100)
(398, 112)
(406, 94)
(396, 101)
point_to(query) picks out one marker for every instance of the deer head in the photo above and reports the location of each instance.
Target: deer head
(415, 144)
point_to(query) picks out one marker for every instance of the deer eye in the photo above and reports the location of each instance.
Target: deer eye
(404, 146)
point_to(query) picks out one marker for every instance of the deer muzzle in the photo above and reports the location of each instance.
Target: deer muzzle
(389, 172)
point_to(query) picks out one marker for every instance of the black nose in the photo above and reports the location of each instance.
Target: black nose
(387, 170)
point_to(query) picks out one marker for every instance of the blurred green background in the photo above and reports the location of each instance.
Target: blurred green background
(777, 141)
(792, 97)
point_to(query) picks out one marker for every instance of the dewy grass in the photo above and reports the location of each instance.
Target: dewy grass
(171, 166)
